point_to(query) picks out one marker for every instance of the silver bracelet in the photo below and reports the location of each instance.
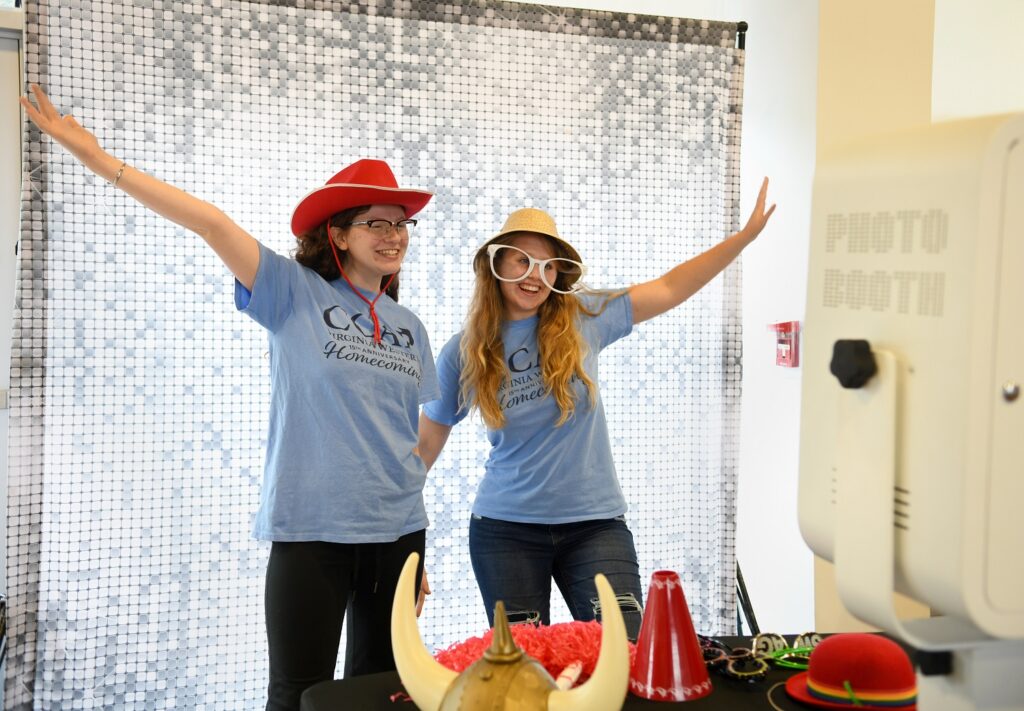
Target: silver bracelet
(120, 172)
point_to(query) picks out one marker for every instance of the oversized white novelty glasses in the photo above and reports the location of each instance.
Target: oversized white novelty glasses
(512, 264)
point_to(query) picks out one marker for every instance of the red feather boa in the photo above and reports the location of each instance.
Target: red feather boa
(555, 647)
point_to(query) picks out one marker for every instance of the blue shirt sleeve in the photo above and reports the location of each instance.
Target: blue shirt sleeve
(429, 390)
(445, 410)
(615, 320)
(270, 301)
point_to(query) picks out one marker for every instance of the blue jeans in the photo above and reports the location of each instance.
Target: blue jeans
(515, 563)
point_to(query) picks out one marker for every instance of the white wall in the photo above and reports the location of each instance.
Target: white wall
(779, 110)
(977, 58)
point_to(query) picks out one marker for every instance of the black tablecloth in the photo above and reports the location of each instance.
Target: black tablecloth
(373, 693)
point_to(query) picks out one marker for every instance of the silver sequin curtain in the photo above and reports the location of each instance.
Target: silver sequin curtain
(139, 399)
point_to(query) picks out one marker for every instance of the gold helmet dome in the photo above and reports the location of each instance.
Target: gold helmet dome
(505, 678)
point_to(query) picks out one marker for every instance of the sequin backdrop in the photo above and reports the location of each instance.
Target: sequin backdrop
(140, 396)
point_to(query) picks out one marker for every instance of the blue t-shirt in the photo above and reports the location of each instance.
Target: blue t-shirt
(537, 472)
(343, 410)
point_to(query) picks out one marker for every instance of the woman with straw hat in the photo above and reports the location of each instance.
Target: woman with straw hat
(342, 494)
(549, 504)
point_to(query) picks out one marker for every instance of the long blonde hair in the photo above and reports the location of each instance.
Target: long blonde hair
(560, 343)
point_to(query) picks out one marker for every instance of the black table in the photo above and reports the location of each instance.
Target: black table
(373, 693)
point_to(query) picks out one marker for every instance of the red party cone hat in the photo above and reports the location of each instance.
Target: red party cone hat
(669, 665)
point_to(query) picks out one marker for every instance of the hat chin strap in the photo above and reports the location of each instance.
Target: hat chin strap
(371, 304)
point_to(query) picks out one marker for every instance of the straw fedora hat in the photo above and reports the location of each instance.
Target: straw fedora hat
(365, 182)
(529, 219)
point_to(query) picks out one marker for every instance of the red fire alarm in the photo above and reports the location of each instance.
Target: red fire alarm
(787, 343)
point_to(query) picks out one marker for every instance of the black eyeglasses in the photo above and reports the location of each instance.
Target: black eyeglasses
(382, 228)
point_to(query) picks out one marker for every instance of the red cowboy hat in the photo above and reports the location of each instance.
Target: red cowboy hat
(365, 182)
(856, 670)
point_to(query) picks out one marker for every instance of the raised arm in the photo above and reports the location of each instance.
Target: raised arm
(236, 247)
(657, 296)
(433, 436)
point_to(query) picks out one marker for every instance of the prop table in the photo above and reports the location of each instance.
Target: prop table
(373, 693)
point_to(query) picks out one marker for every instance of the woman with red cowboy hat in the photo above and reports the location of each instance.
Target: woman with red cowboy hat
(342, 493)
(549, 504)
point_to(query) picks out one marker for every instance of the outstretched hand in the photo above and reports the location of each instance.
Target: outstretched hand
(239, 251)
(759, 216)
(63, 129)
(683, 281)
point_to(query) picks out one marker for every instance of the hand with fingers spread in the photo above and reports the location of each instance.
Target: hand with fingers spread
(659, 295)
(236, 247)
(759, 216)
(64, 129)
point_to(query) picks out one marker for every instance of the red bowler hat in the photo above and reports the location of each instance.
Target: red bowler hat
(856, 671)
(365, 182)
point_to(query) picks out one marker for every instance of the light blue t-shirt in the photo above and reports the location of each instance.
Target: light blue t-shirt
(343, 410)
(536, 472)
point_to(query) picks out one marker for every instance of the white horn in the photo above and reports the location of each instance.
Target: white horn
(424, 679)
(606, 689)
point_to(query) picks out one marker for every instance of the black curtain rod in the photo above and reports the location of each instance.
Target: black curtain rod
(741, 35)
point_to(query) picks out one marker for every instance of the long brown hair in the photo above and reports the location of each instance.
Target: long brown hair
(314, 249)
(560, 343)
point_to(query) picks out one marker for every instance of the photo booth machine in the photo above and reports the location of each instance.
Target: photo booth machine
(912, 420)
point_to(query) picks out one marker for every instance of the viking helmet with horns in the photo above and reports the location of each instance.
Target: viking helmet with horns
(505, 679)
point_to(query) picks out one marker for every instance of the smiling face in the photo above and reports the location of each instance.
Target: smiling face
(522, 299)
(368, 257)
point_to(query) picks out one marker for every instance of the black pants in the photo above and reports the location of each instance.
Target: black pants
(310, 586)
